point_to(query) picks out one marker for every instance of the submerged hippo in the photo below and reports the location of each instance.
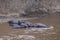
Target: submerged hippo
(40, 25)
(26, 24)
(20, 24)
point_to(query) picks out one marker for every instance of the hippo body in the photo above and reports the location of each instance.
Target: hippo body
(26, 24)
(20, 24)
(40, 25)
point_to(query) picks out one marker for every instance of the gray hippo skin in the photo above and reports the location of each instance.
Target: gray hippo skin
(20, 24)
(26, 24)
(40, 25)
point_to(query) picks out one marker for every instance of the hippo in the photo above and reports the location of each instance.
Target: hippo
(26, 24)
(40, 25)
(20, 24)
(12, 22)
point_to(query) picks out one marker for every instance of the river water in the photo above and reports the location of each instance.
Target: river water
(7, 33)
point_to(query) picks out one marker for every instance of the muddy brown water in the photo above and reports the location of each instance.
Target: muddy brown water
(7, 33)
